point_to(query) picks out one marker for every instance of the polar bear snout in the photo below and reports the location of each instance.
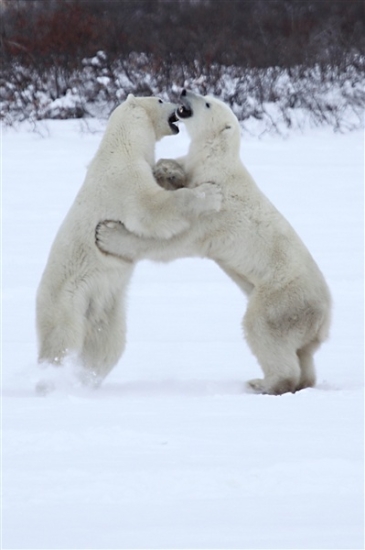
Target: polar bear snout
(184, 110)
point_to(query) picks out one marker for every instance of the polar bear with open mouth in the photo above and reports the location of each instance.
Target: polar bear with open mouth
(288, 312)
(80, 299)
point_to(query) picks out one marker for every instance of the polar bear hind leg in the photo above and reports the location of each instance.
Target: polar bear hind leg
(60, 326)
(307, 370)
(86, 323)
(283, 330)
(104, 340)
(280, 365)
(274, 348)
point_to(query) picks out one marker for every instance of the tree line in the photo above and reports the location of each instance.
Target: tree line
(244, 33)
(81, 58)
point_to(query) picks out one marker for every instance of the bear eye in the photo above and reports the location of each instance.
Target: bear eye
(160, 101)
(207, 105)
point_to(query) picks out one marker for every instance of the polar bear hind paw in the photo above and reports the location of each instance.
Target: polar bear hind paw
(260, 385)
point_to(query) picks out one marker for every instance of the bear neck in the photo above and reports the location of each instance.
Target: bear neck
(212, 151)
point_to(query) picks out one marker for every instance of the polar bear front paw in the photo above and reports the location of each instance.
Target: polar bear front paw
(105, 233)
(169, 174)
(209, 198)
(108, 235)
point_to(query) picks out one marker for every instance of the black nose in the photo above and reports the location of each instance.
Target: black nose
(183, 93)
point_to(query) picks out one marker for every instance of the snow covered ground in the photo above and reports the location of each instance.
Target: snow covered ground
(171, 452)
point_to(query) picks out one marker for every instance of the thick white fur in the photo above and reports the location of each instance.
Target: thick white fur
(80, 300)
(288, 313)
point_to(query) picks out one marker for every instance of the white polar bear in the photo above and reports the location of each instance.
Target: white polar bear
(80, 300)
(288, 313)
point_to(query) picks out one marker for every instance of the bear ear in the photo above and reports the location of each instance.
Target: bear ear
(130, 98)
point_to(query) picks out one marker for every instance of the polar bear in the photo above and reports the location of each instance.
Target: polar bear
(80, 299)
(288, 311)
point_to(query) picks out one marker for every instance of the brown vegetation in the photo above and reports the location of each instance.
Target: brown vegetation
(246, 33)
(91, 53)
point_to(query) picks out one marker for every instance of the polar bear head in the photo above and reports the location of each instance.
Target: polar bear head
(159, 113)
(209, 121)
(141, 121)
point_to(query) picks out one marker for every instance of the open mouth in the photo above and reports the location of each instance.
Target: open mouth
(172, 119)
(184, 111)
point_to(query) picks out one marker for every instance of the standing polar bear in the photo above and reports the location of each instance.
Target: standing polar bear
(288, 313)
(80, 300)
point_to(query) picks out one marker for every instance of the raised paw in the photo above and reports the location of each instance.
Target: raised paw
(106, 233)
(169, 174)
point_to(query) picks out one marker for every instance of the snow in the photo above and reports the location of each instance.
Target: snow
(171, 452)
